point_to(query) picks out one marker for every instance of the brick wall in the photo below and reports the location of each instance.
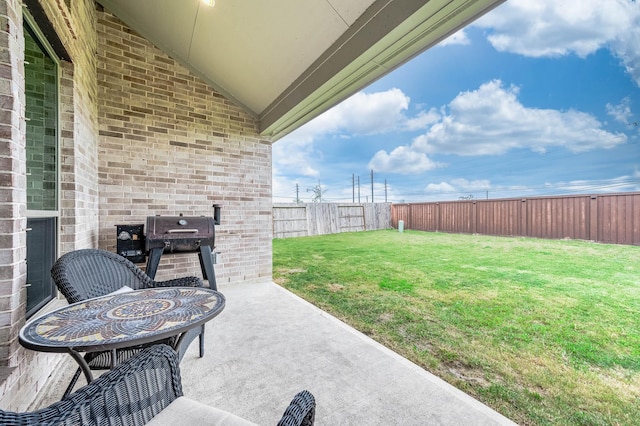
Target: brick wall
(12, 183)
(79, 202)
(170, 144)
(139, 136)
(26, 372)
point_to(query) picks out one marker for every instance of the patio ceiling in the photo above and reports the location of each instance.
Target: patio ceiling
(287, 61)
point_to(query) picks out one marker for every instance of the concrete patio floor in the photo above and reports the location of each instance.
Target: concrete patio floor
(268, 344)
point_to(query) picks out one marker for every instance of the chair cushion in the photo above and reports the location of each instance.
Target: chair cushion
(185, 411)
(123, 289)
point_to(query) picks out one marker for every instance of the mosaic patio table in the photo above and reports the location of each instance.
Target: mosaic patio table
(121, 320)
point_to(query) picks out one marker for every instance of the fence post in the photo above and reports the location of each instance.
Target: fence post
(474, 216)
(524, 224)
(593, 219)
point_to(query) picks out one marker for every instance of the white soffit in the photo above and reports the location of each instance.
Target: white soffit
(259, 47)
(249, 50)
(430, 24)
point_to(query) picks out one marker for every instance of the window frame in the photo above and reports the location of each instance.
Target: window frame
(30, 24)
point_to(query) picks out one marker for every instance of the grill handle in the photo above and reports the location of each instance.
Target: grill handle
(182, 231)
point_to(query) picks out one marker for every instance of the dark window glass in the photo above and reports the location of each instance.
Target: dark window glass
(41, 111)
(41, 253)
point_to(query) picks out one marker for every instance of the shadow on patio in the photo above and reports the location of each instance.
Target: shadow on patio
(268, 344)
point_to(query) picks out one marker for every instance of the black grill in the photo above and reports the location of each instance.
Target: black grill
(175, 234)
(179, 233)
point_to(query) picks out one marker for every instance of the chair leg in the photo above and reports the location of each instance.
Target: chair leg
(74, 380)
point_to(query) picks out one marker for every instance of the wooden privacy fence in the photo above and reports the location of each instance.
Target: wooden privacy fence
(606, 218)
(297, 220)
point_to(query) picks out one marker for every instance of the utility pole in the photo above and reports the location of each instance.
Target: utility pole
(353, 187)
(385, 190)
(358, 189)
(297, 194)
(372, 185)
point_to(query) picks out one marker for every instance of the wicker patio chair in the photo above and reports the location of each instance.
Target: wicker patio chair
(87, 273)
(301, 411)
(142, 390)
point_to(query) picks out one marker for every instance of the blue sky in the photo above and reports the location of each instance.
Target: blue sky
(538, 97)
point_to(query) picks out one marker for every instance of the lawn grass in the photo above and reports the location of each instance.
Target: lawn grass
(545, 332)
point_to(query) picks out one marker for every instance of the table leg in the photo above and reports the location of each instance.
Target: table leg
(83, 365)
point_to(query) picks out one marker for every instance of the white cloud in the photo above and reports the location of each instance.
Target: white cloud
(361, 114)
(294, 155)
(474, 185)
(479, 189)
(459, 185)
(625, 47)
(460, 38)
(422, 120)
(440, 187)
(616, 184)
(620, 112)
(491, 121)
(366, 114)
(549, 28)
(402, 160)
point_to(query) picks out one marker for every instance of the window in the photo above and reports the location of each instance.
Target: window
(41, 111)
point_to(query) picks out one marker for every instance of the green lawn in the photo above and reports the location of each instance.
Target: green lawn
(543, 331)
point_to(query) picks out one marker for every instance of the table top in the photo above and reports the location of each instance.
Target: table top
(122, 320)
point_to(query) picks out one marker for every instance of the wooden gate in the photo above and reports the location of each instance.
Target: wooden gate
(351, 218)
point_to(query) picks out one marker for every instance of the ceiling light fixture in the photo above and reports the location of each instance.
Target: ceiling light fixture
(209, 3)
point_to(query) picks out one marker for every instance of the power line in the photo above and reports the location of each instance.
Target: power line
(576, 187)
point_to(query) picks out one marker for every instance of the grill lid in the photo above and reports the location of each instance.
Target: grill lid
(179, 233)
